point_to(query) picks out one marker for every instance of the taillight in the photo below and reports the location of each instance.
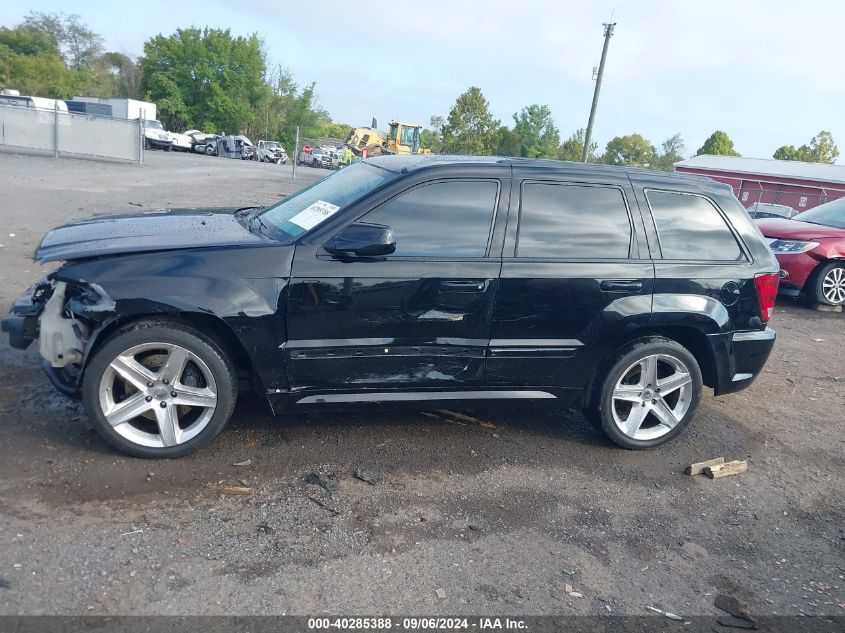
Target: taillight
(766, 285)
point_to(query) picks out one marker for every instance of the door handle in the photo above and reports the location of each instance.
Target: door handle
(463, 285)
(621, 285)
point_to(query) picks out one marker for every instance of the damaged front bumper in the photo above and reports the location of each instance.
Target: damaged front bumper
(53, 312)
(22, 322)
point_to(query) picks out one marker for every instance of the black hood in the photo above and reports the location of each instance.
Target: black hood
(155, 230)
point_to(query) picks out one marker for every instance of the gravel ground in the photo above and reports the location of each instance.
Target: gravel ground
(464, 518)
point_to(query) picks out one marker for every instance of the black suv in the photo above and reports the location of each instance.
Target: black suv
(436, 280)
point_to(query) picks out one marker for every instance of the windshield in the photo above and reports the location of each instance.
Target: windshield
(154, 124)
(828, 214)
(271, 144)
(311, 206)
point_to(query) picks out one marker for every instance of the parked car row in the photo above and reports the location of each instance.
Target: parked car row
(227, 146)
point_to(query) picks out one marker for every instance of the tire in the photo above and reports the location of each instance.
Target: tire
(628, 389)
(130, 360)
(209, 150)
(147, 144)
(168, 148)
(828, 284)
(315, 163)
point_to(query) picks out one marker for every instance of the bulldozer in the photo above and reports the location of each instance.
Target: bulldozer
(402, 138)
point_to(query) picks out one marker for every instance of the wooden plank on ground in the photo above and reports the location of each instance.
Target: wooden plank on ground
(717, 471)
(697, 469)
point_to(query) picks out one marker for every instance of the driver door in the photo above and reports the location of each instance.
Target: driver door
(417, 318)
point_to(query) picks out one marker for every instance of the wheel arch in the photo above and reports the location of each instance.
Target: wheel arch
(693, 338)
(209, 325)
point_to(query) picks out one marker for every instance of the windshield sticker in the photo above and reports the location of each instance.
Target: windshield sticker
(310, 217)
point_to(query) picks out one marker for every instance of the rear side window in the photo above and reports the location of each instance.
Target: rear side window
(690, 227)
(573, 221)
(441, 219)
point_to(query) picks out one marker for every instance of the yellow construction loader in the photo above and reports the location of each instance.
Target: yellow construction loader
(402, 138)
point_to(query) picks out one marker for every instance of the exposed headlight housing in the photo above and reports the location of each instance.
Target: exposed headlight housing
(791, 246)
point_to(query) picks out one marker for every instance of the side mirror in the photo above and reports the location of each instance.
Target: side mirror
(362, 240)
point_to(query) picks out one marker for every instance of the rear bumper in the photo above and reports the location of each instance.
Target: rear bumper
(739, 358)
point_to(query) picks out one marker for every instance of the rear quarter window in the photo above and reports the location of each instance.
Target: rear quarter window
(690, 227)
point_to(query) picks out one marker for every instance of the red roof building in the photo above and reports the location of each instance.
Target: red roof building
(799, 185)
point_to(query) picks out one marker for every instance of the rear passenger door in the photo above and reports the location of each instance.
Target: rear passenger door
(575, 276)
(703, 270)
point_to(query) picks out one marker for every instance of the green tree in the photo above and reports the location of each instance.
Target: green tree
(632, 150)
(821, 149)
(78, 45)
(470, 128)
(719, 144)
(509, 142)
(118, 75)
(430, 139)
(433, 138)
(573, 147)
(536, 131)
(673, 151)
(25, 41)
(204, 78)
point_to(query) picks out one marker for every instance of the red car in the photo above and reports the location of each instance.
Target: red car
(811, 251)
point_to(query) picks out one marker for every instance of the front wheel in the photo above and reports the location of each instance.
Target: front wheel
(159, 389)
(209, 150)
(829, 284)
(649, 394)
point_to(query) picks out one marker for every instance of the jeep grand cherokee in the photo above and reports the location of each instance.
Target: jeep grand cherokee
(436, 280)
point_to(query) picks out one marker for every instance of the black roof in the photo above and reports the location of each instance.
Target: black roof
(411, 162)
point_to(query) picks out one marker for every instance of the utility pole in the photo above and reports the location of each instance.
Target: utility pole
(608, 33)
(295, 155)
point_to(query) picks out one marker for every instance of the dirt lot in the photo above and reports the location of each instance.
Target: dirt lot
(465, 518)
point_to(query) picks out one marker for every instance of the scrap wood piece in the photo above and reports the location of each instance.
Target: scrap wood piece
(665, 614)
(736, 467)
(323, 505)
(237, 490)
(455, 416)
(698, 468)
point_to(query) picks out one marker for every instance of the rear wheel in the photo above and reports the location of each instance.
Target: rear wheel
(829, 284)
(649, 394)
(159, 390)
(209, 150)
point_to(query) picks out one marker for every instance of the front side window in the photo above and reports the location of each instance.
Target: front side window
(302, 211)
(690, 227)
(573, 221)
(441, 219)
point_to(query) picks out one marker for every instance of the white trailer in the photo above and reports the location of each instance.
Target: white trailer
(126, 108)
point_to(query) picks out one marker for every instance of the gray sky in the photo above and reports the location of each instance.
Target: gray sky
(768, 72)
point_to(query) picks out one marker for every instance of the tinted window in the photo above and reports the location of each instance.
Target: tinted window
(573, 221)
(450, 219)
(690, 227)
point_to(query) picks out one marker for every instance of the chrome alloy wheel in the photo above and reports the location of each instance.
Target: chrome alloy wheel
(652, 396)
(158, 394)
(833, 285)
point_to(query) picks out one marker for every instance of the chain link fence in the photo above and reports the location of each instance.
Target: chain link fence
(62, 132)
